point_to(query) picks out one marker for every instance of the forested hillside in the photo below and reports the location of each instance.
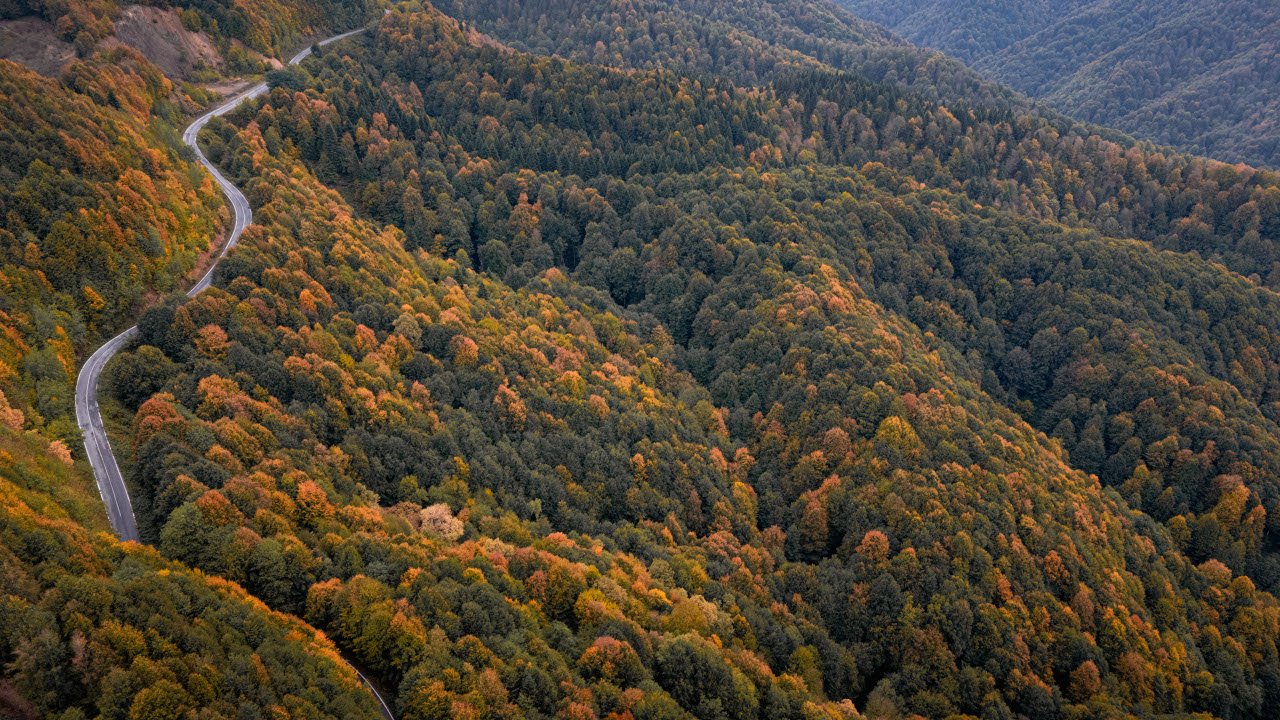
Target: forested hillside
(271, 28)
(93, 628)
(652, 359)
(103, 212)
(644, 360)
(1011, 299)
(101, 207)
(1200, 76)
(747, 42)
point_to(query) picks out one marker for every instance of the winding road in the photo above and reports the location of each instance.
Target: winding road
(97, 446)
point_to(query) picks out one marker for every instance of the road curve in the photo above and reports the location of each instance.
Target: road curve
(97, 446)
(382, 704)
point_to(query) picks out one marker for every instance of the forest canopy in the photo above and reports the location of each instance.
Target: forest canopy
(641, 359)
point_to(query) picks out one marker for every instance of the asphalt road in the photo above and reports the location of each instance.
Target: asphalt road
(97, 446)
(382, 704)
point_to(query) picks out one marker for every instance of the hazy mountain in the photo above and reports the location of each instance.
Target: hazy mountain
(1201, 76)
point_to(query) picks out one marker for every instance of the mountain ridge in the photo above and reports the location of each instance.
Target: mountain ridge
(1197, 76)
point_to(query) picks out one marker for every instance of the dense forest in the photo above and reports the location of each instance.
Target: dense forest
(270, 27)
(637, 359)
(1200, 76)
(1134, 326)
(90, 628)
(102, 212)
(100, 209)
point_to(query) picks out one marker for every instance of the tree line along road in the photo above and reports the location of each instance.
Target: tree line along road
(97, 446)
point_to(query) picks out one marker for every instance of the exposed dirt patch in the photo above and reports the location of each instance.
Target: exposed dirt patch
(32, 42)
(228, 86)
(13, 705)
(159, 36)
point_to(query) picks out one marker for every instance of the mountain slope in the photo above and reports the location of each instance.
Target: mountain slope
(666, 417)
(1200, 76)
(915, 112)
(89, 626)
(969, 31)
(102, 210)
(1014, 312)
(747, 42)
(714, 368)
